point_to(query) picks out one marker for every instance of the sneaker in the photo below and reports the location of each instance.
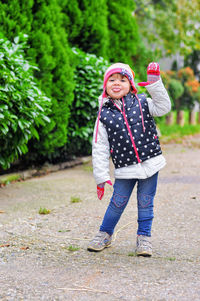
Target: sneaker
(143, 246)
(101, 241)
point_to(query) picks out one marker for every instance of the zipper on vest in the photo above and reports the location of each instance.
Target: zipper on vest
(131, 136)
(128, 128)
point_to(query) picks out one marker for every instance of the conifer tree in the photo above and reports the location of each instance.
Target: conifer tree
(86, 25)
(42, 21)
(123, 31)
(72, 21)
(51, 51)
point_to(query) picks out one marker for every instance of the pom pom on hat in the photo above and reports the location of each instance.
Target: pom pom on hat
(122, 69)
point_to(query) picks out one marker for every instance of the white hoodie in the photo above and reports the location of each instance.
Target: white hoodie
(159, 105)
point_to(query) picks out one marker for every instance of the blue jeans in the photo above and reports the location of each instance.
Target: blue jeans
(146, 189)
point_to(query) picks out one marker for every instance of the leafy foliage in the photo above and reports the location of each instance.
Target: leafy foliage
(107, 29)
(89, 81)
(169, 26)
(23, 107)
(48, 48)
(44, 210)
(192, 87)
(86, 25)
(183, 87)
(141, 60)
(193, 60)
(123, 31)
(176, 90)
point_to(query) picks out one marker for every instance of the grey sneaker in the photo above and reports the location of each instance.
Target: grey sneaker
(143, 246)
(101, 241)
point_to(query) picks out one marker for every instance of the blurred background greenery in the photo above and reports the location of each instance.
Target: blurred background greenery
(53, 55)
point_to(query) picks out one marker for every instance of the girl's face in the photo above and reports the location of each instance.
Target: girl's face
(117, 86)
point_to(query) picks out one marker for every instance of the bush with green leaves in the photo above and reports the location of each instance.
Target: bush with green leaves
(123, 31)
(183, 88)
(23, 107)
(48, 48)
(86, 25)
(89, 82)
(176, 90)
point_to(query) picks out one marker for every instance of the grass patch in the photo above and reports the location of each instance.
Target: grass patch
(88, 168)
(171, 258)
(132, 254)
(10, 178)
(44, 211)
(75, 199)
(175, 132)
(73, 248)
(176, 129)
(67, 230)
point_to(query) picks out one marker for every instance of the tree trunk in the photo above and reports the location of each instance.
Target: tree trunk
(198, 117)
(180, 118)
(169, 118)
(192, 117)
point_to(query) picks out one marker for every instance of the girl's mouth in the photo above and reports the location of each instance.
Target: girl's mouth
(116, 90)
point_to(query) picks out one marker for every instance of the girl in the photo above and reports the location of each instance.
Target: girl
(125, 129)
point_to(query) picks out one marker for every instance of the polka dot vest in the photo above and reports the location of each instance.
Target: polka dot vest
(121, 147)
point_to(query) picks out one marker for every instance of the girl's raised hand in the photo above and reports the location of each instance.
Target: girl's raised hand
(153, 74)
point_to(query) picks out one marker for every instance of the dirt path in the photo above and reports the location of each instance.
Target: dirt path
(44, 257)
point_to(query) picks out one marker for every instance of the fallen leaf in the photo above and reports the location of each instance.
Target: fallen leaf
(24, 248)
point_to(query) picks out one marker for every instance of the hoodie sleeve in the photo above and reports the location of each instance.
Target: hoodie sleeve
(101, 155)
(159, 103)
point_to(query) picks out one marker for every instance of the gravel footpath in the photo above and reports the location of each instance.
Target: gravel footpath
(45, 257)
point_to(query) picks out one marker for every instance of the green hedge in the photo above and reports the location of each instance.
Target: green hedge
(48, 48)
(23, 107)
(123, 31)
(89, 82)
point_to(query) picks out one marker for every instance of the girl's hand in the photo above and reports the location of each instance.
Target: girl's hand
(153, 74)
(100, 189)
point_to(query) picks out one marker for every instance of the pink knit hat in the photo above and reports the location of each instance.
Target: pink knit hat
(122, 69)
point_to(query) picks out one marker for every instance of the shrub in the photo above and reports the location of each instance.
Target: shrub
(175, 90)
(183, 87)
(89, 81)
(23, 107)
(86, 25)
(123, 31)
(48, 48)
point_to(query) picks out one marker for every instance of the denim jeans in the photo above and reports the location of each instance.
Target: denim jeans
(146, 189)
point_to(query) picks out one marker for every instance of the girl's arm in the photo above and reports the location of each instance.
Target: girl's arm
(159, 103)
(101, 155)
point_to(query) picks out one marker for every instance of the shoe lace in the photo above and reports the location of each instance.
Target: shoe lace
(99, 237)
(144, 242)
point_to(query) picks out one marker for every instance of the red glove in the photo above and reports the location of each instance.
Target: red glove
(153, 74)
(100, 189)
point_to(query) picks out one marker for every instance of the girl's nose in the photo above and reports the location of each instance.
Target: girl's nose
(117, 82)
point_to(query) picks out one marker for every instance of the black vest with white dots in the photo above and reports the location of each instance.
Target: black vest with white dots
(121, 147)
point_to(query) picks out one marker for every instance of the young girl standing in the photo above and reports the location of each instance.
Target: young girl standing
(126, 131)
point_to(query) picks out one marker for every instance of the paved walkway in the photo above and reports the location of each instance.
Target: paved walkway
(44, 257)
